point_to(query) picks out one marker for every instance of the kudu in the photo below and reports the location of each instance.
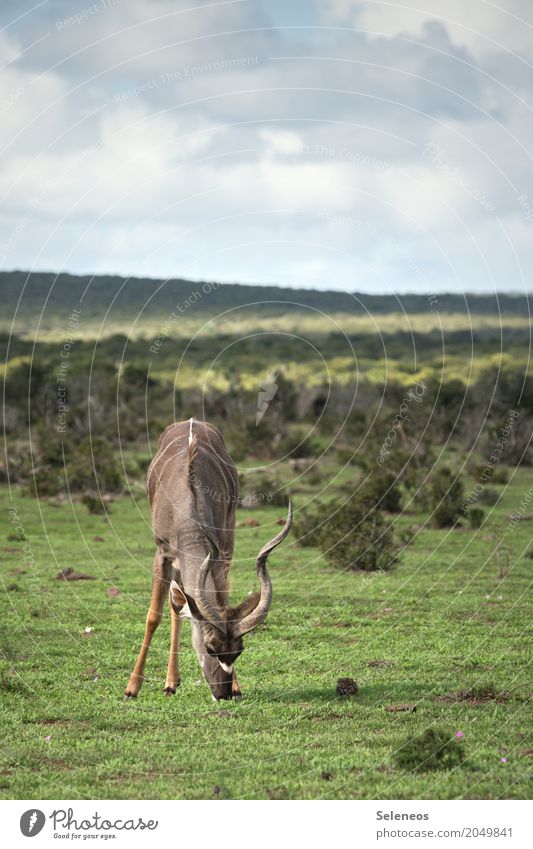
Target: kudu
(193, 490)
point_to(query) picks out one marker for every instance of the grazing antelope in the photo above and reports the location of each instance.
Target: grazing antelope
(193, 489)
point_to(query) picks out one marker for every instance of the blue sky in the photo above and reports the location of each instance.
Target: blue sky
(347, 144)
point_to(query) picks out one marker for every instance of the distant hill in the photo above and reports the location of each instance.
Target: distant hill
(150, 298)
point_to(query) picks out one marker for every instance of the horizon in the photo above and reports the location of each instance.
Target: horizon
(465, 292)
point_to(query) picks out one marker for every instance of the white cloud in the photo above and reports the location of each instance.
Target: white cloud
(477, 24)
(243, 153)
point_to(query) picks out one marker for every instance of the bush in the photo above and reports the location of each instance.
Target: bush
(476, 516)
(355, 536)
(346, 456)
(263, 488)
(93, 503)
(446, 498)
(47, 480)
(297, 447)
(436, 748)
(489, 497)
(93, 465)
(383, 491)
(499, 474)
(306, 524)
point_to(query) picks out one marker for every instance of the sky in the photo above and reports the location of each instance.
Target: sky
(360, 145)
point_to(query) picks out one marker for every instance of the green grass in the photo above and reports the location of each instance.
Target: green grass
(442, 619)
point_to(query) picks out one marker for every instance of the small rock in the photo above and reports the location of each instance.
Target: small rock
(326, 776)
(347, 687)
(248, 523)
(113, 592)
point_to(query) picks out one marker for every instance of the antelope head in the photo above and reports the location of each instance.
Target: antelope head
(218, 631)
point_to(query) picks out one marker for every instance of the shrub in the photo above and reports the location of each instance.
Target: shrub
(435, 748)
(93, 503)
(476, 516)
(383, 491)
(306, 524)
(263, 488)
(346, 456)
(446, 497)
(489, 497)
(499, 474)
(47, 480)
(297, 447)
(93, 465)
(16, 537)
(313, 475)
(355, 536)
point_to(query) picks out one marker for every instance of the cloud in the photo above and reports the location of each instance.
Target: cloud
(381, 148)
(479, 25)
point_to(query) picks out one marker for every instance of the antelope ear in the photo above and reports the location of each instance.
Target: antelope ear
(184, 605)
(246, 606)
(177, 597)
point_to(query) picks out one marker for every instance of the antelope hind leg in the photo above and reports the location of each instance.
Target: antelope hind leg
(160, 584)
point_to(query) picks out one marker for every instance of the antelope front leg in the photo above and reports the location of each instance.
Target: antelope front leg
(173, 672)
(160, 584)
(235, 689)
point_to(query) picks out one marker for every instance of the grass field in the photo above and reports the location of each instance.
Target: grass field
(448, 617)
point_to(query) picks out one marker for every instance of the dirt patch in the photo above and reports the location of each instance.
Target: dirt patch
(59, 721)
(379, 663)
(517, 517)
(90, 672)
(69, 574)
(57, 763)
(475, 696)
(400, 708)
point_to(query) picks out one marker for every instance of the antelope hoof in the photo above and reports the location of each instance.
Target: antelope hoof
(170, 689)
(128, 695)
(236, 694)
